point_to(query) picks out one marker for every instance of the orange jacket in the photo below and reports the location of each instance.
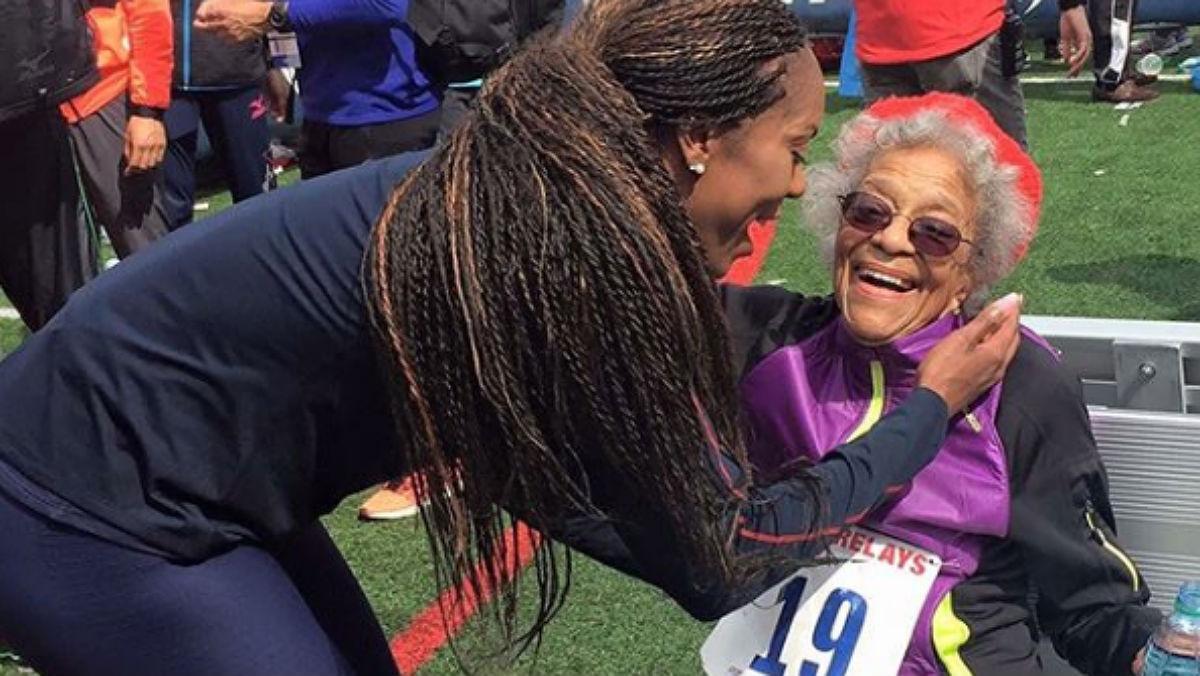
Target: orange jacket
(134, 53)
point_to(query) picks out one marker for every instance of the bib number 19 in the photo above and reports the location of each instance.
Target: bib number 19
(841, 646)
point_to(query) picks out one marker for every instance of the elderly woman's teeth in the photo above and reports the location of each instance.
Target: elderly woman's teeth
(885, 280)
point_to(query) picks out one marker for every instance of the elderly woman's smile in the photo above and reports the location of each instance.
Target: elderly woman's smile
(886, 280)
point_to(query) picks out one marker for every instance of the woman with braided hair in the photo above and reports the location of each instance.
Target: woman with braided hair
(526, 316)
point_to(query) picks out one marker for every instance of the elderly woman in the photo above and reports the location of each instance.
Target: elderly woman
(927, 207)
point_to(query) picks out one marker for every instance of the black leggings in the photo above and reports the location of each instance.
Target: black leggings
(1112, 28)
(71, 603)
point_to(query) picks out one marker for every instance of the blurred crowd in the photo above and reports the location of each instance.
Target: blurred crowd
(104, 108)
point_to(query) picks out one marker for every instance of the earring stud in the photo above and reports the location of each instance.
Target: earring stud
(697, 168)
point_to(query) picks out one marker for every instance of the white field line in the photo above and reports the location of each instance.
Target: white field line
(1062, 79)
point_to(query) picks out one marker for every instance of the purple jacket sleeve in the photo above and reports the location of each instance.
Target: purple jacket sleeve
(313, 14)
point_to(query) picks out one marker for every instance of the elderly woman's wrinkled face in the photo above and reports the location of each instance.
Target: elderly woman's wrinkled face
(751, 168)
(886, 286)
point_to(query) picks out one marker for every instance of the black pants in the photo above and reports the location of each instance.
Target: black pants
(129, 207)
(72, 603)
(1112, 30)
(975, 72)
(456, 101)
(326, 147)
(235, 121)
(45, 250)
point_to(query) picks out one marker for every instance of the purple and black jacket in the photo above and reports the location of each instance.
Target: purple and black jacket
(1015, 503)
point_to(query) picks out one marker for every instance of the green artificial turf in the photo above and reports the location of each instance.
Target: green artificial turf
(1120, 237)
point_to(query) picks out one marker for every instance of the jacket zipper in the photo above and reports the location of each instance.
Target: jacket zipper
(186, 69)
(875, 407)
(1098, 534)
(973, 422)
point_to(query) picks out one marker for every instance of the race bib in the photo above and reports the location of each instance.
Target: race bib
(852, 618)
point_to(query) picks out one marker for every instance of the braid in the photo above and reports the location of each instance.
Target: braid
(540, 299)
(695, 63)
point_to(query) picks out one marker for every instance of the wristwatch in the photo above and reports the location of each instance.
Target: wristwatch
(146, 111)
(278, 18)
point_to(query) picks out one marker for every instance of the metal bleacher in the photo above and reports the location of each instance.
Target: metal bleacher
(1141, 381)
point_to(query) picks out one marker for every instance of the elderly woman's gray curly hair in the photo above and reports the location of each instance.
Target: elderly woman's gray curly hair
(1001, 217)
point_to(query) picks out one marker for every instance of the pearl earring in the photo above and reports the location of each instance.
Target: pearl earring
(697, 168)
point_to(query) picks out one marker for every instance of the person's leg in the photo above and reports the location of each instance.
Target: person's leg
(1112, 24)
(1050, 51)
(46, 252)
(1003, 97)
(329, 587)
(314, 149)
(351, 146)
(236, 122)
(960, 73)
(128, 206)
(71, 603)
(883, 81)
(179, 164)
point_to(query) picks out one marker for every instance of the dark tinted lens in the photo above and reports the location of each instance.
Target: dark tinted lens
(934, 237)
(866, 212)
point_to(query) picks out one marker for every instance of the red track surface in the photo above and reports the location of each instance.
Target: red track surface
(744, 270)
(430, 630)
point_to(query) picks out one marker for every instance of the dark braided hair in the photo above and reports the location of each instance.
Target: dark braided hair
(540, 298)
(695, 64)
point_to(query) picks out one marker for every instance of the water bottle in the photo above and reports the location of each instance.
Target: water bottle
(1150, 65)
(1174, 650)
(1191, 67)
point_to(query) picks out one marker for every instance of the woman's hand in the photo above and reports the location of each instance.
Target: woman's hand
(278, 91)
(234, 20)
(1075, 39)
(145, 144)
(973, 358)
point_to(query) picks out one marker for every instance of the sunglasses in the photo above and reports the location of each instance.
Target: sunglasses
(870, 214)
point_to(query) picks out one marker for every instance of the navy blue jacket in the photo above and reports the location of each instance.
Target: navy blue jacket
(222, 388)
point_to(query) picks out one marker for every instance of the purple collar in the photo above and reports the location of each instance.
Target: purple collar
(900, 357)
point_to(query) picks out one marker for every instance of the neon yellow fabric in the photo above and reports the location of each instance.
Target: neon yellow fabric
(875, 408)
(950, 634)
(1114, 550)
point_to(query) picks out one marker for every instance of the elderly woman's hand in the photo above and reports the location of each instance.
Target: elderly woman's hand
(973, 358)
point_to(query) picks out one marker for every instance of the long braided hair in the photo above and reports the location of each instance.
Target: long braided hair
(540, 299)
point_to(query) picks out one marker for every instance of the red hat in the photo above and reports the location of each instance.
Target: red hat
(967, 112)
